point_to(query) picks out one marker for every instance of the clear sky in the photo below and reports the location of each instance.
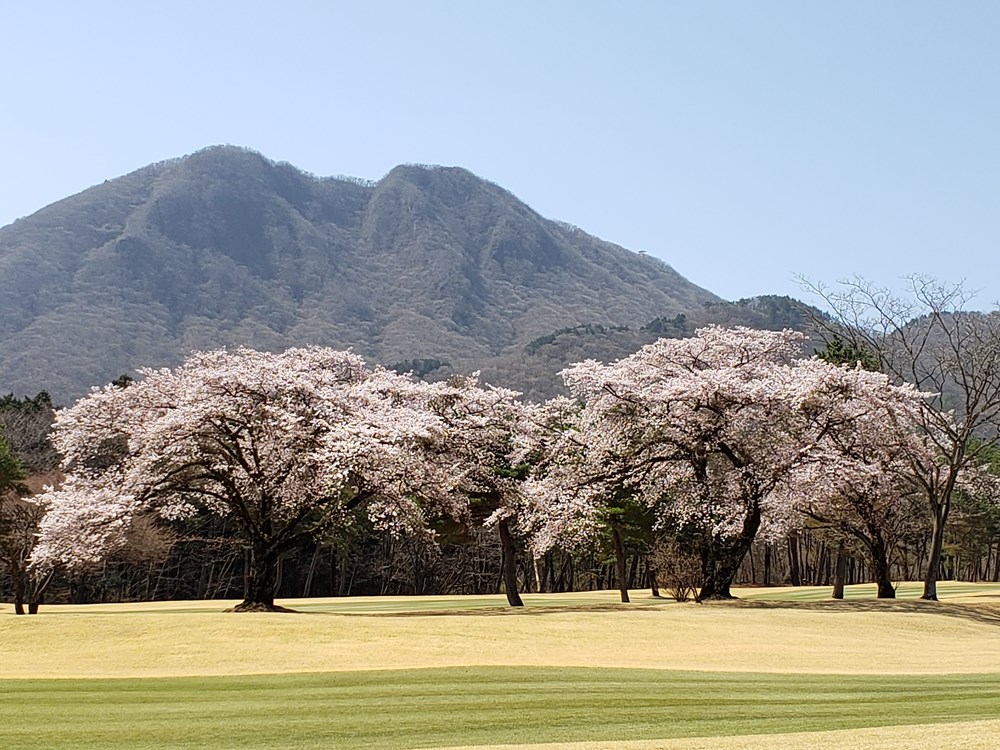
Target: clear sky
(742, 142)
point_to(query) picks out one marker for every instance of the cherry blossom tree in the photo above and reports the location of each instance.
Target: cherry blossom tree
(681, 424)
(567, 503)
(715, 432)
(492, 439)
(288, 445)
(928, 337)
(25, 423)
(859, 481)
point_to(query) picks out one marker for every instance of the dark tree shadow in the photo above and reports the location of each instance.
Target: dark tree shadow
(984, 612)
(504, 611)
(987, 613)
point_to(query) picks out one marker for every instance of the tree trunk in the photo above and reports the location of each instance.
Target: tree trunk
(509, 564)
(794, 572)
(616, 537)
(307, 587)
(882, 570)
(17, 579)
(840, 572)
(36, 590)
(260, 579)
(721, 558)
(633, 572)
(549, 572)
(654, 585)
(937, 545)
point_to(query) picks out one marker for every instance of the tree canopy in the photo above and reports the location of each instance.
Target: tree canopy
(715, 440)
(721, 433)
(287, 445)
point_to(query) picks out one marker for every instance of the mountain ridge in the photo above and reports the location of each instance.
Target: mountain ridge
(225, 247)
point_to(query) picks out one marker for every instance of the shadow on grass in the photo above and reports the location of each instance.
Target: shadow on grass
(503, 611)
(987, 614)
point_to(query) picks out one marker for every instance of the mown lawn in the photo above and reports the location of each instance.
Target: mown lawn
(906, 590)
(471, 706)
(431, 672)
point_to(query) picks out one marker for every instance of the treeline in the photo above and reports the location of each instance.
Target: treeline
(204, 559)
(692, 465)
(207, 563)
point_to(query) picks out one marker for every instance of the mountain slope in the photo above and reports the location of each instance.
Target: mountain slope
(225, 248)
(535, 367)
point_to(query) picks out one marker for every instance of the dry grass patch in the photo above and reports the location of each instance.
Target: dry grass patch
(175, 639)
(965, 735)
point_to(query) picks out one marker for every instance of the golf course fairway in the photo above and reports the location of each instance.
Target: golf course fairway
(781, 668)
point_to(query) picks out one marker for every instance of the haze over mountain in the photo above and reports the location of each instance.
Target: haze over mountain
(224, 247)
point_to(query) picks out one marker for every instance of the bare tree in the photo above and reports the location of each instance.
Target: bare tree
(26, 422)
(928, 337)
(19, 518)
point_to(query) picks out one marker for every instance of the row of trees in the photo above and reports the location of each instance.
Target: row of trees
(701, 447)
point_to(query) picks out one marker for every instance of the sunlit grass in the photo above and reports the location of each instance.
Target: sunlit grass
(574, 671)
(907, 590)
(472, 706)
(578, 630)
(910, 590)
(968, 735)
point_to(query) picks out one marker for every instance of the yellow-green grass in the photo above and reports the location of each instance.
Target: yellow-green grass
(966, 735)
(572, 630)
(478, 706)
(407, 672)
(907, 590)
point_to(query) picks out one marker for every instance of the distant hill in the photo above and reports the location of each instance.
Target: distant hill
(535, 366)
(429, 265)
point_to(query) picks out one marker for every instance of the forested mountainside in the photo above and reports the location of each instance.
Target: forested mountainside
(224, 247)
(535, 367)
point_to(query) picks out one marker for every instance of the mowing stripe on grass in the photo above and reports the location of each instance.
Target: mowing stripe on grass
(965, 735)
(470, 706)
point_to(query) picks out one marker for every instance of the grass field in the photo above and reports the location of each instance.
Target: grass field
(783, 668)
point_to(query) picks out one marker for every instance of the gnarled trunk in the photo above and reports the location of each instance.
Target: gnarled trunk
(721, 558)
(882, 569)
(719, 566)
(259, 582)
(509, 563)
(878, 555)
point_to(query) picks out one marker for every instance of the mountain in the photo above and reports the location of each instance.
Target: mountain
(225, 247)
(534, 368)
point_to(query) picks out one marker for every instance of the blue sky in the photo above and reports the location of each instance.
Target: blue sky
(742, 142)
